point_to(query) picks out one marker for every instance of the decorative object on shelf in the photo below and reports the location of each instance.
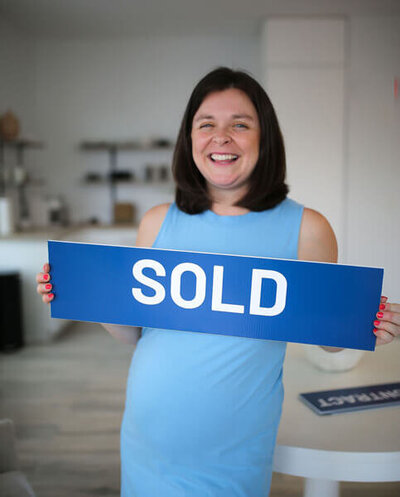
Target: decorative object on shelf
(93, 177)
(20, 175)
(149, 173)
(161, 143)
(120, 175)
(164, 172)
(334, 362)
(56, 212)
(9, 126)
(156, 172)
(6, 217)
(124, 213)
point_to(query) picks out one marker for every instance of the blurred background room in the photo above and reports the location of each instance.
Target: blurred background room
(91, 97)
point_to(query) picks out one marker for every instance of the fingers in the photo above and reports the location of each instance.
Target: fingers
(44, 287)
(389, 313)
(387, 325)
(47, 297)
(383, 337)
(42, 278)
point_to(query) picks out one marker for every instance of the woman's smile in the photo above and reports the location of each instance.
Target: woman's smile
(222, 159)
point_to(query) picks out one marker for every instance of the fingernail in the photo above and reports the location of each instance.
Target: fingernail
(382, 306)
(375, 330)
(383, 297)
(377, 323)
(51, 295)
(379, 315)
(48, 286)
(46, 277)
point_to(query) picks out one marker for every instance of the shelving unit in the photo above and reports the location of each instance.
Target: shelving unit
(19, 145)
(112, 148)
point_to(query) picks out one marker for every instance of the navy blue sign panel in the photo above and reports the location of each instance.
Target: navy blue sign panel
(353, 399)
(273, 299)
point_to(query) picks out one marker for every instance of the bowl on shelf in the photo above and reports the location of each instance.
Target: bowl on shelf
(121, 176)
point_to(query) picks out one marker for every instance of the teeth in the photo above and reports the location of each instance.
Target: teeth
(222, 157)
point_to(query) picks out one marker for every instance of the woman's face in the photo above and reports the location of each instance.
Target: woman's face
(226, 140)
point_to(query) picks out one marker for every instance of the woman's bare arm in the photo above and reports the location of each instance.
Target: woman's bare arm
(147, 233)
(317, 242)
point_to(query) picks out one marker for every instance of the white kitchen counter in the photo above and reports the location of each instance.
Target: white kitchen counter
(26, 252)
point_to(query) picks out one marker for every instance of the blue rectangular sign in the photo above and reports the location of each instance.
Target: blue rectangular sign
(353, 399)
(254, 297)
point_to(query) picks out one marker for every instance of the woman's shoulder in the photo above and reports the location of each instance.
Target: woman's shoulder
(317, 240)
(150, 225)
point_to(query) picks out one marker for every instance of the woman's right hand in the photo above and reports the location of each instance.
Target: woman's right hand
(44, 287)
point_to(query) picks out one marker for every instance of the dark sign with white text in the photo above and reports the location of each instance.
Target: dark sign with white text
(353, 399)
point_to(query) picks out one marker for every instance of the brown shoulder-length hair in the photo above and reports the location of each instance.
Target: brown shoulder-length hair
(267, 186)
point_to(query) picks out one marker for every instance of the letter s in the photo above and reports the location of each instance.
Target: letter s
(159, 290)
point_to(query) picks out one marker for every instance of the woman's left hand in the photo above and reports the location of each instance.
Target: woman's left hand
(387, 324)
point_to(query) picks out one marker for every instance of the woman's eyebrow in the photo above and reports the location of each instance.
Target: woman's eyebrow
(243, 116)
(234, 116)
(203, 116)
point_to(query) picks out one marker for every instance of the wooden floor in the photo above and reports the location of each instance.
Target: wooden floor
(66, 399)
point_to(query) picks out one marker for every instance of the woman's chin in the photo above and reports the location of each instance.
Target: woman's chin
(227, 185)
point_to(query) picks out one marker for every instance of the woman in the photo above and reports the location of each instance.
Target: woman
(202, 410)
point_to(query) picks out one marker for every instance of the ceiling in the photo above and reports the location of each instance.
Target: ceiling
(127, 18)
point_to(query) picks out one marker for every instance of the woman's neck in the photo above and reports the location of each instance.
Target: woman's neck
(228, 210)
(223, 202)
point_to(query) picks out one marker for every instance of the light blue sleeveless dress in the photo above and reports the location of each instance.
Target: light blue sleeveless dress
(202, 411)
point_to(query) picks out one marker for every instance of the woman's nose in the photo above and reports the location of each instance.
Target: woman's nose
(221, 138)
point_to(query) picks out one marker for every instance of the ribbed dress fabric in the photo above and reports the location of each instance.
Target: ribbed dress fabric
(202, 410)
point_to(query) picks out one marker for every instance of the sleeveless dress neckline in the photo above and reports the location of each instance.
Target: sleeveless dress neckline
(212, 217)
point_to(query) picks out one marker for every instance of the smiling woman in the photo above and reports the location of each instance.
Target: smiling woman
(202, 410)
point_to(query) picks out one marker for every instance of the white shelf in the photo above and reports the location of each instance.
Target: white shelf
(134, 145)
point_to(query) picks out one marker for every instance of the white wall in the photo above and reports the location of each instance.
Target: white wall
(332, 85)
(373, 222)
(304, 65)
(124, 89)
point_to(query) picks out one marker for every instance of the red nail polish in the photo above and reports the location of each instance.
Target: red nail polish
(48, 286)
(377, 323)
(382, 306)
(383, 297)
(375, 330)
(51, 295)
(45, 277)
(379, 315)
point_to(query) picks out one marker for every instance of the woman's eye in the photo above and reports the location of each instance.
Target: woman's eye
(205, 125)
(241, 126)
